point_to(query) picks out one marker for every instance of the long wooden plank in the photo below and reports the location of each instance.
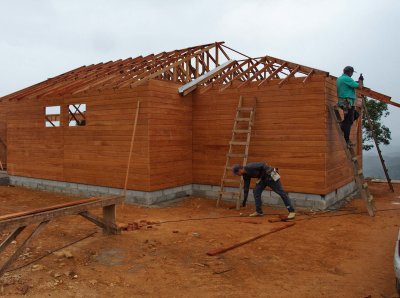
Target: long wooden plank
(47, 208)
(225, 249)
(51, 214)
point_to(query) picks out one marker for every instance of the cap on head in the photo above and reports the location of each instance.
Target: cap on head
(348, 69)
(236, 168)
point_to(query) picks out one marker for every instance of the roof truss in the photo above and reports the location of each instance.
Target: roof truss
(202, 66)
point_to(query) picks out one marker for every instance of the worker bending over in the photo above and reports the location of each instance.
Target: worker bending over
(267, 176)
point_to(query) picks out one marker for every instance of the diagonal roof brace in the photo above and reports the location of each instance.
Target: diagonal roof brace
(189, 87)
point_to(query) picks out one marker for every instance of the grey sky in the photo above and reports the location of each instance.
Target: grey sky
(43, 38)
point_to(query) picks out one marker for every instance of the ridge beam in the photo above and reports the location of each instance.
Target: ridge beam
(189, 87)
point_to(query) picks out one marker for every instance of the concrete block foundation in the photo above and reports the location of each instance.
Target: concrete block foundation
(309, 201)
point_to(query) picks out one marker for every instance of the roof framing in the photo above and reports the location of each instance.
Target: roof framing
(202, 66)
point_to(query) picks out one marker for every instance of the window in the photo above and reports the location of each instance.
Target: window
(52, 116)
(77, 114)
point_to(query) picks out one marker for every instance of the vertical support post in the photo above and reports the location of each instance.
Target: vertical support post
(197, 67)
(175, 74)
(216, 55)
(109, 216)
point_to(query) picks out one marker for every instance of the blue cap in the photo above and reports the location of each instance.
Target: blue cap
(236, 168)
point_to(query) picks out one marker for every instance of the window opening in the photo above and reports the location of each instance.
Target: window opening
(52, 116)
(77, 114)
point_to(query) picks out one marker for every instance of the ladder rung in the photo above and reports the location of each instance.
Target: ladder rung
(236, 155)
(242, 131)
(237, 143)
(360, 172)
(245, 109)
(242, 119)
(231, 180)
(229, 193)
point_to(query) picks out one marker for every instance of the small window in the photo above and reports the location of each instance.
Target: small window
(52, 116)
(77, 114)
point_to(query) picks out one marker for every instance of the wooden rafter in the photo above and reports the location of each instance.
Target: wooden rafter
(183, 66)
(275, 72)
(291, 74)
(307, 78)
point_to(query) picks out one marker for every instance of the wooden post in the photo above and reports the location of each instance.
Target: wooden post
(109, 216)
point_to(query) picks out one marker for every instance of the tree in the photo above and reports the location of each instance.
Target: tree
(376, 109)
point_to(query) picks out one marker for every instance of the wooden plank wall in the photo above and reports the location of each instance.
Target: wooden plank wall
(33, 150)
(289, 132)
(180, 140)
(93, 154)
(338, 168)
(170, 136)
(3, 132)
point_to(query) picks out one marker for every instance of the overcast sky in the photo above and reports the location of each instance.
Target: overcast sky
(43, 38)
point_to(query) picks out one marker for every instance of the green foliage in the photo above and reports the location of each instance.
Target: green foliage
(376, 111)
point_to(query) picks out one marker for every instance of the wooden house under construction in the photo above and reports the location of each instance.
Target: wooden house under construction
(72, 133)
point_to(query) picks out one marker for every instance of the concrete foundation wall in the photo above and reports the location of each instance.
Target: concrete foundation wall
(303, 200)
(311, 201)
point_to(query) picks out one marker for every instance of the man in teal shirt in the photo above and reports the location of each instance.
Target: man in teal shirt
(346, 94)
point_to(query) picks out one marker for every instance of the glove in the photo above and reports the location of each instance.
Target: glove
(361, 78)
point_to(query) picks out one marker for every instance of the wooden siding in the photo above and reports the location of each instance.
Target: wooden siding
(338, 168)
(180, 140)
(93, 154)
(289, 132)
(170, 136)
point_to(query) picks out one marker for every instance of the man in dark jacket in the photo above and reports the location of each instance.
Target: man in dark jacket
(267, 176)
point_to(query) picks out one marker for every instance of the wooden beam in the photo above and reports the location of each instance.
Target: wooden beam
(108, 227)
(256, 74)
(189, 87)
(275, 72)
(11, 238)
(241, 74)
(109, 216)
(25, 220)
(307, 78)
(376, 95)
(304, 69)
(20, 249)
(291, 74)
(150, 76)
(225, 249)
(48, 208)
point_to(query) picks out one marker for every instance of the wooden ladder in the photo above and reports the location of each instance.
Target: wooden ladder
(352, 157)
(240, 140)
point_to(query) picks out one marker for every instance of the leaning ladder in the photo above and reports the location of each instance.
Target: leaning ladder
(240, 140)
(352, 156)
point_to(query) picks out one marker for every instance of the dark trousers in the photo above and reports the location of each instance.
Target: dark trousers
(276, 187)
(347, 122)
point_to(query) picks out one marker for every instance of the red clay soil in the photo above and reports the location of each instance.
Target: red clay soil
(344, 253)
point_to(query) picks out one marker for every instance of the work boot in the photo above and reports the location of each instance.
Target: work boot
(256, 214)
(291, 215)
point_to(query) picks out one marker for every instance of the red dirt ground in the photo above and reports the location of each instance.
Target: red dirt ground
(344, 253)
